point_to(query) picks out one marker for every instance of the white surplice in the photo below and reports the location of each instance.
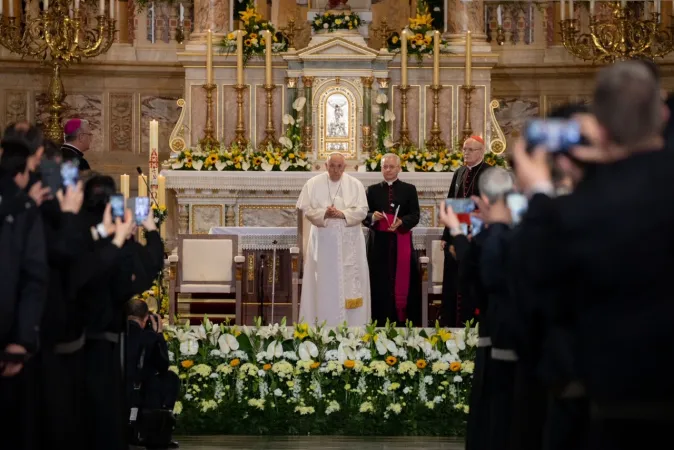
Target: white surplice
(336, 282)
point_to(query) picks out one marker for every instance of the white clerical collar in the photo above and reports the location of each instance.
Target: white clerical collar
(472, 167)
(390, 183)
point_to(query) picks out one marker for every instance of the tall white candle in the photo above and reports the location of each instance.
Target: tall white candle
(182, 14)
(403, 57)
(101, 7)
(124, 186)
(623, 3)
(11, 8)
(239, 57)
(445, 15)
(592, 7)
(267, 57)
(571, 15)
(562, 9)
(499, 16)
(436, 58)
(112, 9)
(209, 57)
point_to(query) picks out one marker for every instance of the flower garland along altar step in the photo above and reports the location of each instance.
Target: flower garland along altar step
(279, 380)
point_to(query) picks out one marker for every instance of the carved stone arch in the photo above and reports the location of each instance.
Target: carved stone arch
(351, 91)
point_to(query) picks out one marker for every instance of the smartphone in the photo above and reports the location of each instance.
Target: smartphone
(518, 204)
(117, 206)
(51, 175)
(475, 225)
(140, 207)
(70, 173)
(555, 135)
(461, 205)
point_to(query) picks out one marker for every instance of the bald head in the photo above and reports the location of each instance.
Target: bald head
(473, 152)
(335, 164)
(390, 166)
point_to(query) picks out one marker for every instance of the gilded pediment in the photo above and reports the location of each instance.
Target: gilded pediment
(337, 48)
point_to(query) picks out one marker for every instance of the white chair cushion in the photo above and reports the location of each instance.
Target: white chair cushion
(206, 289)
(438, 262)
(206, 260)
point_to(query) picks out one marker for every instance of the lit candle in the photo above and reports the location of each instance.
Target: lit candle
(403, 57)
(499, 16)
(124, 186)
(161, 190)
(239, 57)
(469, 57)
(436, 58)
(142, 187)
(267, 57)
(209, 57)
(562, 9)
(592, 7)
(101, 7)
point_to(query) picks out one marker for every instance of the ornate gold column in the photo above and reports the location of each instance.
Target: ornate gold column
(122, 22)
(307, 132)
(210, 15)
(367, 113)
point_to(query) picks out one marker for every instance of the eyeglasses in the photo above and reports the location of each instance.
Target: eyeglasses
(471, 150)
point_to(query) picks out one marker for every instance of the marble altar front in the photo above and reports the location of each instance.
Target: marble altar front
(205, 200)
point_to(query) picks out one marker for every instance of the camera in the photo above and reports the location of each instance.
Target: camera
(150, 322)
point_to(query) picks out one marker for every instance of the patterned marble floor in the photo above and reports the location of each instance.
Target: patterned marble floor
(316, 443)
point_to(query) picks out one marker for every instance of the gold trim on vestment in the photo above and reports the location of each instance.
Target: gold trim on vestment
(353, 303)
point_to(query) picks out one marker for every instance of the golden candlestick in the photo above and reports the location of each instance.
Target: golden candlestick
(289, 31)
(467, 127)
(382, 32)
(55, 37)
(209, 140)
(307, 131)
(404, 130)
(269, 131)
(240, 130)
(435, 143)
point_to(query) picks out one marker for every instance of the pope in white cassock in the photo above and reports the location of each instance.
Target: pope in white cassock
(336, 284)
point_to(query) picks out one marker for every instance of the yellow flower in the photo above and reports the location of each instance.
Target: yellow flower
(421, 364)
(301, 331)
(315, 365)
(444, 335)
(455, 366)
(235, 362)
(291, 156)
(237, 165)
(338, 21)
(349, 364)
(266, 367)
(391, 360)
(187, 363)
(395, 39)
(367, 337)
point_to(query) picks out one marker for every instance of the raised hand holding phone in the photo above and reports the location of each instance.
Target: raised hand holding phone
(149, 223)
(71, 201)
(123, 229)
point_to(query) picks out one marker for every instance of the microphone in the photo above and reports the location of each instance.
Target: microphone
(149, 191)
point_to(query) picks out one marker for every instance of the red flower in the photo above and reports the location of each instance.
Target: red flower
(477, 311)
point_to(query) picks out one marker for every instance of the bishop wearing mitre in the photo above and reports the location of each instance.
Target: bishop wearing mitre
(336, 285)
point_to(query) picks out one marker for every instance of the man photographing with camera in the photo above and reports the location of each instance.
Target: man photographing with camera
(151, 387)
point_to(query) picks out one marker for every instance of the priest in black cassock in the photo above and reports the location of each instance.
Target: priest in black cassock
(456, 309)
(395, 283)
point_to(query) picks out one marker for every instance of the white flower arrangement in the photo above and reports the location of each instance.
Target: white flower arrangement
(264, 379)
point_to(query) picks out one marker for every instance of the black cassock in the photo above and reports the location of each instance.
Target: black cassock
(457, 305)
(382, 251)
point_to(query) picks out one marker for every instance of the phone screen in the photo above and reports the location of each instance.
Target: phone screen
(518, 204)
(69, 173)
(475, 225)
(117, 206)
(461, 205)
(141, 209)
(555, 135)
(51, 175)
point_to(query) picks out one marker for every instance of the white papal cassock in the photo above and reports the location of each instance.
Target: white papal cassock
(336, 284)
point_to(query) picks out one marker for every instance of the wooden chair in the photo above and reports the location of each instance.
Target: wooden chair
(206, 264)
(432, 264)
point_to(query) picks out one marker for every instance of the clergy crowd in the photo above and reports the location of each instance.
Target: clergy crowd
(564, 264)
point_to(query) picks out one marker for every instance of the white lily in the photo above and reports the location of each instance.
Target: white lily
(284, 165)
(388, 142)
(220, 165)
(385, 345)
(189, 347)
(410, 166)
(228, 343)
(274, 350)
(381, 99)
(299, 103)
(177, 165)
(286, 142)
(245, 165)
(308, 351)
(197, 164)
(266, 166)
(288, 119)
(389, 116)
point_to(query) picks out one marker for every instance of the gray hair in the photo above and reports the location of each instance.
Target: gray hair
(627, 103)
(495, 182)
(391, 155)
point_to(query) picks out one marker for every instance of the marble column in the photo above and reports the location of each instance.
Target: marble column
(210, 15)
(465, 15)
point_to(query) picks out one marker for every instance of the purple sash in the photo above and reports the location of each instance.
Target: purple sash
(404, 255)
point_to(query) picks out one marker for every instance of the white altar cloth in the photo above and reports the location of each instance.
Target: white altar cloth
(261, 238)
